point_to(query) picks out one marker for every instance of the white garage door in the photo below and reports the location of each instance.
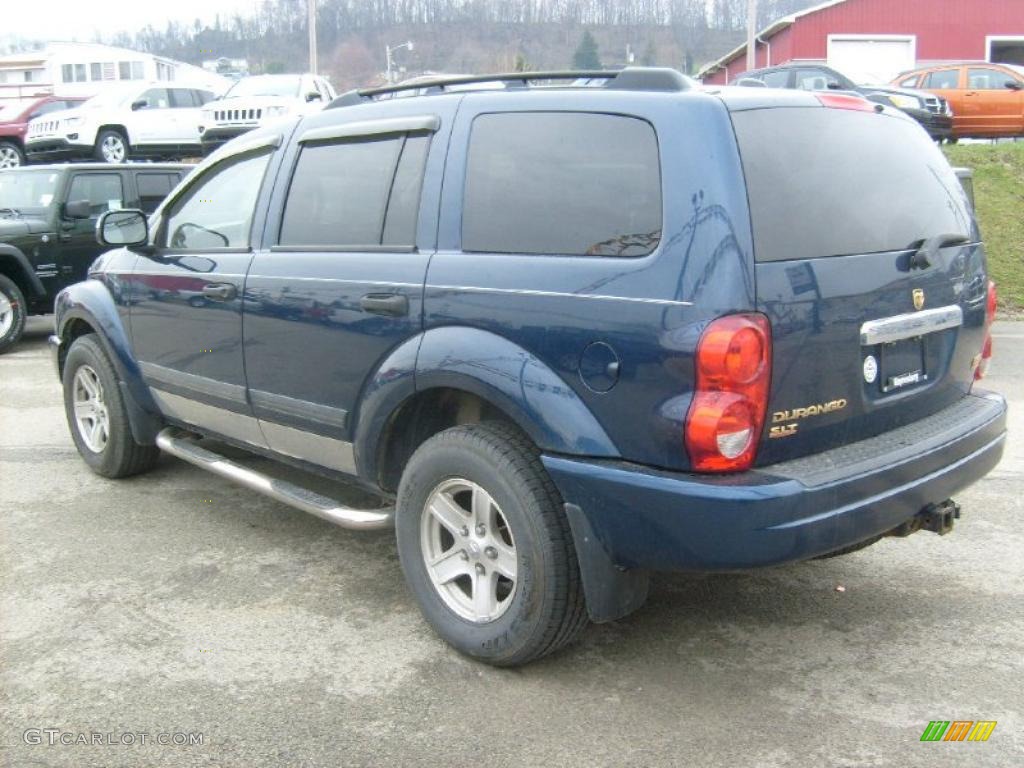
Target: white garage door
(871, 59)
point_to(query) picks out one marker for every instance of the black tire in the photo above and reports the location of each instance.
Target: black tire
(113, 137)
(18, 313)
(547, 608)
(121, 456)
(11, 155)
(852, 548)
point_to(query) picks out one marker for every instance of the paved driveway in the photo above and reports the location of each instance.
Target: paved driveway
(176, 603)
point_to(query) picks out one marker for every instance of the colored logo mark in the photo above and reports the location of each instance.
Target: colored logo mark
(958, 730)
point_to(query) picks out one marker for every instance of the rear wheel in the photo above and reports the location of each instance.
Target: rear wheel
(111, 146)
(97, 416)
(11, 155)
(486, 548)
(13, 313)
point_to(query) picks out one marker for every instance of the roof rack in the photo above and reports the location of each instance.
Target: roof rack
(628, 79)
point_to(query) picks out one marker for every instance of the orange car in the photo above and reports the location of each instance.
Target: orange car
(987, 99)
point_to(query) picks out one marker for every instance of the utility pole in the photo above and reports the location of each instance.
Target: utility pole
(311, 16)
(388, 51)
(751, 34)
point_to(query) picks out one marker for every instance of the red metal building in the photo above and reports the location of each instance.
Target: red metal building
(874, 40)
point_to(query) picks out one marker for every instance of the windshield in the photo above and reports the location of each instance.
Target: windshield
(27, 190)
(266, 85)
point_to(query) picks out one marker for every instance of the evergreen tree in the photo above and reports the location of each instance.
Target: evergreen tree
(586, 56)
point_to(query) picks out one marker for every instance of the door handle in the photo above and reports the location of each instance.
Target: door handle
(220, 291)
(388, 304)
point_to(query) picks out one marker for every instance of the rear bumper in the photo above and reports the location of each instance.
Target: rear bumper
(652, 519)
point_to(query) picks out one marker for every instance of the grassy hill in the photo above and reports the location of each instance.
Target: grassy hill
(999, 194)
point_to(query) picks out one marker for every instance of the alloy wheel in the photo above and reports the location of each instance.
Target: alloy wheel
(6, 315)
(468, 551)
(112, 148)
(9, 157)
(91, 416)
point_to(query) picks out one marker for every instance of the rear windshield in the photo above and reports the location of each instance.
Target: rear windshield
(833, 182)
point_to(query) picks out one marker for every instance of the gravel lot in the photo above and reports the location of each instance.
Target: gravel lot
(176, 602)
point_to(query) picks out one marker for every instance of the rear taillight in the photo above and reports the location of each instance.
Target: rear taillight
(733, 366)
(990, 317)
(847, 101)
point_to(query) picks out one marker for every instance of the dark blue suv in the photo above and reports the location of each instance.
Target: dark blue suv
(570, 330)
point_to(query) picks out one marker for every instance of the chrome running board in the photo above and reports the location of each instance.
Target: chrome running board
(173, 442)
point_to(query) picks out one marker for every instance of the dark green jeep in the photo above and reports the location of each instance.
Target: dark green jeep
(48, 220)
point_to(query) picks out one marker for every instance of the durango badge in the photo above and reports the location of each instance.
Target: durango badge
(918, 299)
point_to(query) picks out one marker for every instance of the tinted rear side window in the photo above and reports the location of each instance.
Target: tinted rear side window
(562, 183)
(362, 192)
(832, 182)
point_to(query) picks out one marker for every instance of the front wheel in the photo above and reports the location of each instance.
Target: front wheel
(97, 416)
(13, 313)
(11, 155)
(111, 147)
(486, 548)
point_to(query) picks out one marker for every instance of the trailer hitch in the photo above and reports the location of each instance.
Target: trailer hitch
(937, 518)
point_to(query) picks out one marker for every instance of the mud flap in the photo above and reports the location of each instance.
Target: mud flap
(611, 592)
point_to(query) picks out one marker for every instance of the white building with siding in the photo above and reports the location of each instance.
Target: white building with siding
(86, 69)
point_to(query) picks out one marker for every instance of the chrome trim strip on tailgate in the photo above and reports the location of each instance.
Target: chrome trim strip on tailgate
(890, 329)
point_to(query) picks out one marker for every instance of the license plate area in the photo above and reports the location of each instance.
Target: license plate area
(902, 364)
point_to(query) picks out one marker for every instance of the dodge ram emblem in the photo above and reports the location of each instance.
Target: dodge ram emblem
(918, 299)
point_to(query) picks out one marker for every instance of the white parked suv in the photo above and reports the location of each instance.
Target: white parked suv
(254, 101)
(155, 120)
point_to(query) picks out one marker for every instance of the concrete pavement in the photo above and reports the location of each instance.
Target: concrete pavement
(178, 603)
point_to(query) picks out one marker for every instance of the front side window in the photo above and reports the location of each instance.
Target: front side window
(562, 183)
(217, 210)
(943, 79)
(985, 79)
(813, 80)
(104, 191)
(778, 79)
(155, 98)
(183, 98)
(362, 192)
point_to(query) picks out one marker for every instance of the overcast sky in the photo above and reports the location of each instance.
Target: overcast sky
(80, 19)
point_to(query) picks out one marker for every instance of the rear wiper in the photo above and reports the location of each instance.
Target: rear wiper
(929, 247)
